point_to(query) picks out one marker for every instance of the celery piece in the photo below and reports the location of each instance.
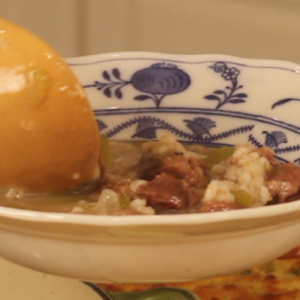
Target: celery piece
(244, 198)
(217, 155)
(106, 154)
(124, 200)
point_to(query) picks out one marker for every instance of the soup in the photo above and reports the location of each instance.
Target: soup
(167, 177)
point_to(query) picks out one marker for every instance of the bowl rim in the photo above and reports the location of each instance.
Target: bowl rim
(181, 58)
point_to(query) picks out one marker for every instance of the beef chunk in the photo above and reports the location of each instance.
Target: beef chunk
(287, 172)
(284, 182)
(168, 192)
(176, 165)
(281, 190)
(169, 156)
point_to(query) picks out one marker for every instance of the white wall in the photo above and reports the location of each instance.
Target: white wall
(53, 20)
(248, 28)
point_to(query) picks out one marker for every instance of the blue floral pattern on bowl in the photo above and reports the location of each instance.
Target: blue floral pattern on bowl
(213, 100)
(155, 82)
(227, 95)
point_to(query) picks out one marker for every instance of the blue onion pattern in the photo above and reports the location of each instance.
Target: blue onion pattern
(101, 125)
(227, 95)
(146, 127)
(230, 73)
(284, 101)
(275, 138)
(201, 127)
(113, 85)
(155, 82)
(161, 80)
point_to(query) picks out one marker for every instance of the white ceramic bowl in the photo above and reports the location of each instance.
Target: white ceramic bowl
(210, 99)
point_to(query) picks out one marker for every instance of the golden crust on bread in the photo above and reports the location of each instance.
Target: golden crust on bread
(48, 134)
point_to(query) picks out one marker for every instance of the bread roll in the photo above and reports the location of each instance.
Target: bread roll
(49, 140)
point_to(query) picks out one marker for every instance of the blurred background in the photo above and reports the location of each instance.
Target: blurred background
(247, 28)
